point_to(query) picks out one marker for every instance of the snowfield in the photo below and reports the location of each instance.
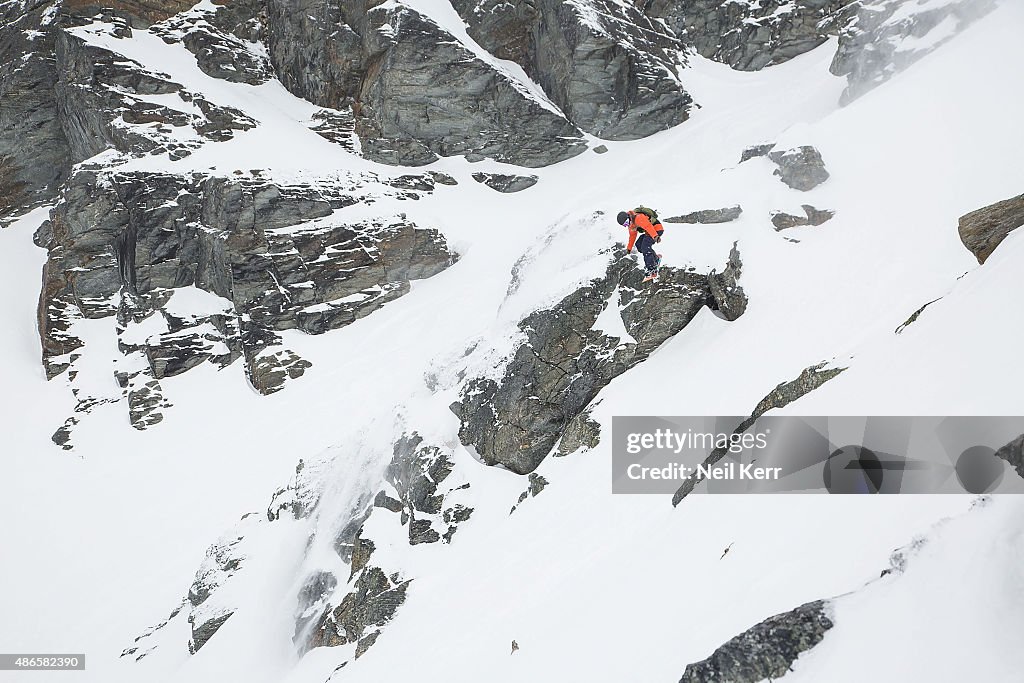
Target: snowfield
(101, 543)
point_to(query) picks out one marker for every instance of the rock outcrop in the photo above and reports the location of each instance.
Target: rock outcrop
(563, 362)
(801, 168)
(610, 69)
(765, 651)
(416, 91)
(751, 36)
(812, 216)
(505, 183)
(781, 396)
(256, 257)
(983, 230)
(728, 295)
(34, 153)
(709, 216)
(883, 38)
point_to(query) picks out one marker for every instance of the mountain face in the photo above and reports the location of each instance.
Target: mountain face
(320, 320)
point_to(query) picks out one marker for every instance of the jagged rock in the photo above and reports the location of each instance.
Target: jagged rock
(581, 432)
(812, 216)
(756, 151)
(782, 395)
(366, 643)
(883, 38)
(725, 215)
(34, 153)
(600, 149)
(209, 607)
(751, 36)
(563, 363)
(442, 178)
(983, 230)
(726, 291)
(140, 13)
(1013, 453)
(536, 484)
(914, 316)
(505, 183)
(373, 601)
(765, 651)
(417, 473)
(337, 126)
(607, 65)
(147, 233)
(222, 52)
(415, 90)
(801, 168)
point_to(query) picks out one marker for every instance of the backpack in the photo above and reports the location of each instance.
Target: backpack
(650, 213)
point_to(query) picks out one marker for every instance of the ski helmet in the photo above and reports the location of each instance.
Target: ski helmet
(622, 217)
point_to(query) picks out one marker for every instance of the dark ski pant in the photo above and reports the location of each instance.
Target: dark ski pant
(645, 245)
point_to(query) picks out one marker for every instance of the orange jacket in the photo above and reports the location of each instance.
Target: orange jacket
(637, 222)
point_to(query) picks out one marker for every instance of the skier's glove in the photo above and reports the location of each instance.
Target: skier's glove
(658, 238)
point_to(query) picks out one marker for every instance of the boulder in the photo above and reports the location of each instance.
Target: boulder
(801, 168)
(751, 36)
(765, 651)
(812, 216)
(728, 295)
(983, 230)
(505, 183)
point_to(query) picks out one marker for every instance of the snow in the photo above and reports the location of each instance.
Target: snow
(592, 586)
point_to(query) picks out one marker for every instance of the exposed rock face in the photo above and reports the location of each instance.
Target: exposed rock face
(34, 154)
(885, 37)
(801, 168)
(416, 91)
(726, 291)
(140, 13)
(207, 609)
(227, 43)
(564, 362)
(765, 651)
(126, 244)
(781, 396)
(755, 151)
(982, 231)
(750, 36)
(505, 183)
(812, 216)
(1013, 453)
(374, 599)
(709, 216)
(580, 433)
(607, 65)
(418, 476)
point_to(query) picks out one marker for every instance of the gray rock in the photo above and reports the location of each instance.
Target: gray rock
(34, 153)
(600, 149)
(765, 651)
(884, 38)
(709, 216)
(373, 601)
(580, 433)
(727, 293)
(812, 216)
(801, 168)
(415, 91)
(563, 364)
(782, 395)
(756, 151)
(607, 65)
(505, 183)
(983, 230)
(751, 36)
(142, 235)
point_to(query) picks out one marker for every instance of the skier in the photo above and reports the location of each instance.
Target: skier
(645, 220)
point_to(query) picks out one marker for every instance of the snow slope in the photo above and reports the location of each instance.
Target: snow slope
(105, 541)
